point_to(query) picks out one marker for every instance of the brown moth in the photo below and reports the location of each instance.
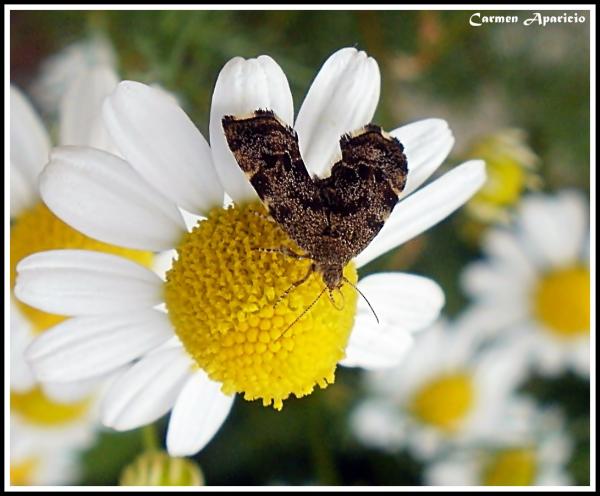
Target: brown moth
(333, 218)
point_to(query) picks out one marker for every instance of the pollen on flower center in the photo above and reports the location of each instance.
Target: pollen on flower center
(35, 407)
(562, 301)
(444, 401)
(221, 294)
(38, 229)
(510, 467)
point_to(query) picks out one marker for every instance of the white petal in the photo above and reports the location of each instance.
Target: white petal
(427, 143)
(553, 228)
(373, 346)
(23, 193)
(29, 142)
(84, 347)
(21, 376)
(100, 195)
(506, 249)
(573, 211)
(425, 208)
(342, 98)
(81, 282)
(81, 109)
(242, 87)
(404, 303)
(492, 281)
(199, 412)
(161, 142)
(69, 392)
(147, 390)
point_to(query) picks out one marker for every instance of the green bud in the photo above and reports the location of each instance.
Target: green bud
(157, 468)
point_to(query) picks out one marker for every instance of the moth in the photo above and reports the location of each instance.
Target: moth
(332, 218)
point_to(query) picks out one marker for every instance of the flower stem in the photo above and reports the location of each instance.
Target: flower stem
(150, 438)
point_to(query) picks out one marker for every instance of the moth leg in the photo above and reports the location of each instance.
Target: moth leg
(263, 216)
(294, 285)
(304, 312)
(283, 251)
(332, 299)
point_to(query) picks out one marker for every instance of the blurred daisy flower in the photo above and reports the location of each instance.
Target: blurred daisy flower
(537, 455)
(222, 332)
(534, 285)
(49, 420)
(510, 166)
(58, 71)
(447, 391)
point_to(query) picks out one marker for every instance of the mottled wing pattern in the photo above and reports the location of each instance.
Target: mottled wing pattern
(267, 150)
(334, 218)
(363, 188)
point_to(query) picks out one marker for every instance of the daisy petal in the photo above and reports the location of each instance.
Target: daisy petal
(373, 346)
(342, 98)
(81, 282)
(29, 142)
(81, 109)
(23, 193)
(404, 303)
(425, 208)
(100, 195)
(21, 376)
(162, 144)
(242, 87)
(199, 412)
(84, 347)
(69, 392)
(427, 143)
(147, 390)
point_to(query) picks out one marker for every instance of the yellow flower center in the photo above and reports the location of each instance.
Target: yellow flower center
(35, 407)
(510, 467)
(444, 401)
(510, 165)
(21, 473)
(223, 297)
(38, 229)
(561, 301)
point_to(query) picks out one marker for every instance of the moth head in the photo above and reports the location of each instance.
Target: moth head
(333, 275)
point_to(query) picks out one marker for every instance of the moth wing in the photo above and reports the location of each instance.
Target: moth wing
(267, 150)
(364, 185)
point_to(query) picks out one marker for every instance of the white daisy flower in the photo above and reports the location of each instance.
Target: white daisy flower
(447, 391)
(33, 227)
(58, 71)
(49, 421)
(535, 283)
(222, 332)
(537, 455)
(46, 437)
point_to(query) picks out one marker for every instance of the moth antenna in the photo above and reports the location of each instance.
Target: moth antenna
(294, 285)
(302, 314)
(364, 297)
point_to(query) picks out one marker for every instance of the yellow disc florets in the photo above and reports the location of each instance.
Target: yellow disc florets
(38, 229)
(223, 297)
(445, 401)
(562, 302)
(510, 467)
(36, 408)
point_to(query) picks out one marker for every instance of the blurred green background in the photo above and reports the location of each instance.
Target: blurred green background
(433, 64)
